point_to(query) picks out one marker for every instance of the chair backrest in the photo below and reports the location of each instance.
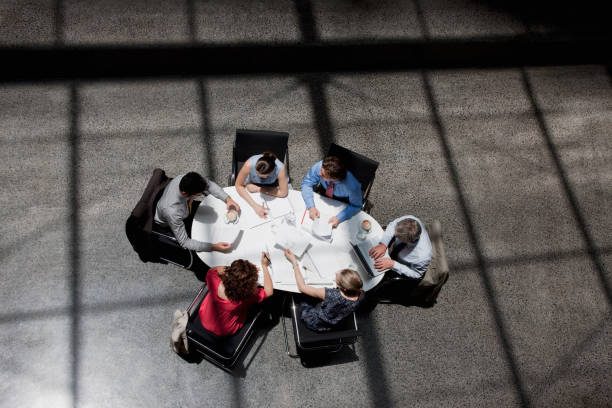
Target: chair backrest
(250, 142)
(222, 351)
(139, 225)
(344, 333)
(362, 167)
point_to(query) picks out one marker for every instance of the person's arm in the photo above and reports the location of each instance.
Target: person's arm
(378, 251)
(283, 186)
(216, 191)
(242, 192)
(311, 179)
(355, 201)
(389, 233)
(416, 273)
(268, 286)
(178, 229)
(299, 279)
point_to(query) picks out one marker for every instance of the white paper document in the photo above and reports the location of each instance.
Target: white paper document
(292, 238)
(281, 268)
(312, 275)
(277, 207)
(227, 234)
(322, 229)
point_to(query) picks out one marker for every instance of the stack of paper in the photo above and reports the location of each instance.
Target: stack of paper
(277, 207)
(292, 238)
(282, 270)
(322, 229)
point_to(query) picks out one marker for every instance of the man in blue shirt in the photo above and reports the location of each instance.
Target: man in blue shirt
(335, 182)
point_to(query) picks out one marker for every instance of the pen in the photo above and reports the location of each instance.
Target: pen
(268, 258)
(303, 217)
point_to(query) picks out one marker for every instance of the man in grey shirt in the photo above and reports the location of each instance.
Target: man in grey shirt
(174, 207)
(411, 250)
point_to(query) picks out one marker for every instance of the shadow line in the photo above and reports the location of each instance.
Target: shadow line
(58, 22)
(318, 100)
(75, 240)
(95, 308)
(563, 365)
(306, 20)
(502, 331)
(591, 246)
(189, 59)
(529, 259)
(191, 22)
(206, 133)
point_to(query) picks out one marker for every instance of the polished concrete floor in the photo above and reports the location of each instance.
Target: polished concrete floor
(514, 161)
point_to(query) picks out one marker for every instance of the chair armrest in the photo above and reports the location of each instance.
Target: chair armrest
(367, 206)
(198, 299)
(163, 236)
(441, 254)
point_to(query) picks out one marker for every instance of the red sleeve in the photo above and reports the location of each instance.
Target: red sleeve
(260, 295)
(212, 278)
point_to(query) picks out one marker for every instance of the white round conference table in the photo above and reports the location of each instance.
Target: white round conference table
(320, 261)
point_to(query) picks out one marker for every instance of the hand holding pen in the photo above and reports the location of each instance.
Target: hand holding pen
(262, 210)
(265, 259)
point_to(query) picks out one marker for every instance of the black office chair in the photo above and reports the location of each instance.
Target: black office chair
(149, 240)
(362, 167)
(307, 341)
(396, 288)
(221, 351)
(250, 142)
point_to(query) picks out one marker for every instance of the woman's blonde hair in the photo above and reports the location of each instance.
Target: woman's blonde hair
(349, 282)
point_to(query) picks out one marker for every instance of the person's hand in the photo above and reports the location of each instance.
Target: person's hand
(260, 210)
(384, 263)
(221, 247)
(334, 221)
(230, 203)
(314, 213)
(265, 259)
(377, 251)
(290, 256)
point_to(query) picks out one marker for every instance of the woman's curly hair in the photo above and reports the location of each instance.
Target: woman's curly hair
(240, 280)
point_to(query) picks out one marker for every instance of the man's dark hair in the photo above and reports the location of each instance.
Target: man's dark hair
(334, 167)
(192, 183)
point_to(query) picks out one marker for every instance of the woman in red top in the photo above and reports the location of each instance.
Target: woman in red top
(231, 291)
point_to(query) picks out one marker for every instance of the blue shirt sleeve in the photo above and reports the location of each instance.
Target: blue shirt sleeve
(355, 199)
(311, 180)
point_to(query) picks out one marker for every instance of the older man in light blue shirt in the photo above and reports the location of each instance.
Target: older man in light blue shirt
(337, 183)
(409, 248)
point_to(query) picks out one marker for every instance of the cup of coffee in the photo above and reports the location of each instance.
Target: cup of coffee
(364, 229)
(231, 217)
(366, 225)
